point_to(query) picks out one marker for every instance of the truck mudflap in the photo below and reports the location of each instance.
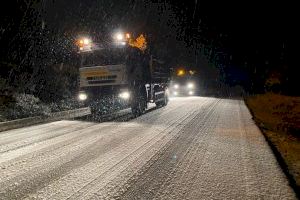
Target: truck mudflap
(139, 100)
(139, 106)
(161, 98)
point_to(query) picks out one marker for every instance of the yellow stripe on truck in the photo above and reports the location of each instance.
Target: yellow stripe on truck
(94, 73)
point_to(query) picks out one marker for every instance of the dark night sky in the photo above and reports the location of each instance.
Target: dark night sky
(256, 35)
(247, 27)
(240, 28)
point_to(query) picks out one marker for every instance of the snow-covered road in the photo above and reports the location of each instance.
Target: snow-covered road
(194, 148)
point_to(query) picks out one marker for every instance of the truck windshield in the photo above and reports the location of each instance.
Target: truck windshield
(102, 57)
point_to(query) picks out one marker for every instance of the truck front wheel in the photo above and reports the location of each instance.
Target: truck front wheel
(164, 102)
(139, 106)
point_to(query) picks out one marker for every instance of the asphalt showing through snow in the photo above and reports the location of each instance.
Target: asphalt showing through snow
(194, 148)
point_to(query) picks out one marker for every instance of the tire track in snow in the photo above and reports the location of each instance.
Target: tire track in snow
(63, 140)
(30, 173)
(100, 166)
(152, 178)
(40, 136)
(182, 176)
(105, 187)
(25, 130)
(60, 149)
(195, 148)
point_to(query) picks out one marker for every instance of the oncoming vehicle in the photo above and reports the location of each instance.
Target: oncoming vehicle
(121, 74)
(183, 83)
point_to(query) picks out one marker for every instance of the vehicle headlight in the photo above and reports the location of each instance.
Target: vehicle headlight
(176, 86)
(175, 93)
(82, 96)
(191, 92)
(124, 95)
(86, 41)
(119, 36)
(190, 85)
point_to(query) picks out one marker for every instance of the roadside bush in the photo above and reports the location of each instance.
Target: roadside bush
(273, 83)
(64, 104)
(277, 112)
(26, 105)
(23, 105)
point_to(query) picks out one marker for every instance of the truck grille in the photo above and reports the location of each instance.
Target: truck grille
(100, 78)
(100, 81)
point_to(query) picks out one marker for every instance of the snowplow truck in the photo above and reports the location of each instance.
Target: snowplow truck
(119, 76)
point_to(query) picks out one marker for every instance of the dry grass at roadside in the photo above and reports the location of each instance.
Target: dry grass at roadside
(279, 118)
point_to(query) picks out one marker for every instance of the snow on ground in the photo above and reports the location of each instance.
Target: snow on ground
(194, 148)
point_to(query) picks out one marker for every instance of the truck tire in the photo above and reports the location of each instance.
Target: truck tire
(166, 98)
(139, 106)
(164, 102)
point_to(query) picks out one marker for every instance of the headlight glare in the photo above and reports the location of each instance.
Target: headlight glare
(190, 85)
(82, 96)
(124, 95)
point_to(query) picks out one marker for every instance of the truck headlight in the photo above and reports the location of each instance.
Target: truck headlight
(82, 96)
(86, 41)
(176, 86)
(124, 95)
(190, 85)
(119, 36)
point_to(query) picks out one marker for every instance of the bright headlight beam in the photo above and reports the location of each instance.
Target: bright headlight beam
(86, 41)
(82, 96)
(191, 92)
(119, 36)
(176, 86)
(123, 43)
(190, 85)
(124, 95)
